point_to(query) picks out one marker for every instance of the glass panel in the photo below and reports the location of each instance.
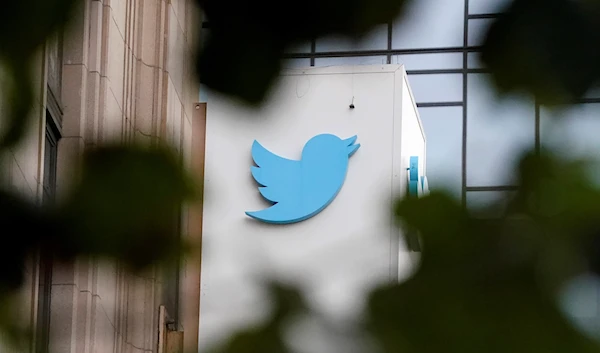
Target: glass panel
(594, 92)
(488, 204)
(352, 60)
(474, 61)
(45, 259)
(478, 30)
(430, 24)
(579, 300)
(377, 39)
(443, 131)
(295, 63)
(48, 152)
(50, 162)
(497, 131)
(429, 61)
(573, 133)
(436, 87)
(486, 6)
(44, 296)
(299, 48)
(204, 37)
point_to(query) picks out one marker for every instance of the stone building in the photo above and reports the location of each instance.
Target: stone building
(122, 71)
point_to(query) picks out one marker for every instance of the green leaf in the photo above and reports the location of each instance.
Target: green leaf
(25, 26)
(287, 301)
(24, 226)
(126, 205)
(247, 39)
(437, 311)
(545, 47)
(490, 285)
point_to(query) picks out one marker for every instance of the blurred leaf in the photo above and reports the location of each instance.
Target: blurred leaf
(13, 335)
(23, 225)
(248, 39)
(24, 28)
(546, 47)
(126, 204)
(565, 204)
(19, 99)
(239, 65)
(25, 25)
(490, 285)
(417, 213)
(287, 302)
(478, 288)
(438, 311)
(264, 338)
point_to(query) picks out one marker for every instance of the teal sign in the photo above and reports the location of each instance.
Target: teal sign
(417, 186)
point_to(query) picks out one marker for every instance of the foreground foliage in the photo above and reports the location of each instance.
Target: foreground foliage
(482, 285)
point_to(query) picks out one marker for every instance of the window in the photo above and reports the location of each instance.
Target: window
(354, 60)
(50, 160)
(45, 258)
(436, 61)
(573, 132)
(478, 29)
(477, 7)
(474, 61)
(497, 132)
(435, 88)
(488, 204)
(52, 135)
(443, 130)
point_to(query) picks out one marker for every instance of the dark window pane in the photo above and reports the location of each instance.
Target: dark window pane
(45, 258)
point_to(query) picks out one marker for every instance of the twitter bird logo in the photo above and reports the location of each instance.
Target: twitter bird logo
(301, 189)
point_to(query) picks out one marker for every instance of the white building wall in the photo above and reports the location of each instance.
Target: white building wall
(343, 251)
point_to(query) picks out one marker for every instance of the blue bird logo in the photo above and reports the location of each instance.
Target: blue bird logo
(301, 189)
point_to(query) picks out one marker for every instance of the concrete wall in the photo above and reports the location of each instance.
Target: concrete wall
(341, 252)
(127, 75)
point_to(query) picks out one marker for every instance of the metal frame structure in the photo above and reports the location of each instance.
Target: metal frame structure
(465, 70)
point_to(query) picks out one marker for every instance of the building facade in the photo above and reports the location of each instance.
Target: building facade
(121, 72)
(472, 140)
(353, 242)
